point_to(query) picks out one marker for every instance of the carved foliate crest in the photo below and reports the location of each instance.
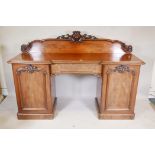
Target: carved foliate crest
(76, 37)
(121, 69)
(29, 68)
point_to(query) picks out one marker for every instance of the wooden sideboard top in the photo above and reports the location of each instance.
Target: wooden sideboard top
(76, 48)
(102, 58)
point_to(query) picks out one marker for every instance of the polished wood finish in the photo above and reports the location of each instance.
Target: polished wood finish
(111, 61)
(72, 44)
(33, 90)
(94, 69)
(118, 91)
(99, 58)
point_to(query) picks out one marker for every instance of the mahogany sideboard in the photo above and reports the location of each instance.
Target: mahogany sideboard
(112, 61)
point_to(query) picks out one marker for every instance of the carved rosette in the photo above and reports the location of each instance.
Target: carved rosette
(76, 37)
(29, 69)
(122, 69)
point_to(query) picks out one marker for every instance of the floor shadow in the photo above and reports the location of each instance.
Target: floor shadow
(91, 105)
(62, 103)
(152, 105)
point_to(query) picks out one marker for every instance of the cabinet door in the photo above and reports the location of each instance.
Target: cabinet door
(119, 87)
(32, 84)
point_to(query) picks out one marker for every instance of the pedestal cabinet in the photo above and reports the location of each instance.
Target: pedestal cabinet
(33, 89)
(119, 86)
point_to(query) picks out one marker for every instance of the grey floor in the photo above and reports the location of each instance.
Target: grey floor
(77, 113)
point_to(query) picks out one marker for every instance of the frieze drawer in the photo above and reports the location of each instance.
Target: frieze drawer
(76, 68)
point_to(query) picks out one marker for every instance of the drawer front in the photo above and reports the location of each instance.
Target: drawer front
(76, 68)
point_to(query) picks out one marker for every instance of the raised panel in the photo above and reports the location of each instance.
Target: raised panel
(72, 47)
(119, 88)
(119, 91)
(33, 88)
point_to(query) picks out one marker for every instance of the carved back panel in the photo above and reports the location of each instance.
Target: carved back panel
(76, 43)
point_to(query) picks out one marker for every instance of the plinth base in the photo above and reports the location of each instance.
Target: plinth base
(118, 115)
(23, 116)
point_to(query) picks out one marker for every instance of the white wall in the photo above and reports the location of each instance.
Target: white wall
(153, 78)
(152, 89)
(3, 86)
(142, 39)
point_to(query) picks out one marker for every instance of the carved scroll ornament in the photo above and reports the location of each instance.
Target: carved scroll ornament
(26, 47)
(121, 69)
(29, 69)
(76, 37)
